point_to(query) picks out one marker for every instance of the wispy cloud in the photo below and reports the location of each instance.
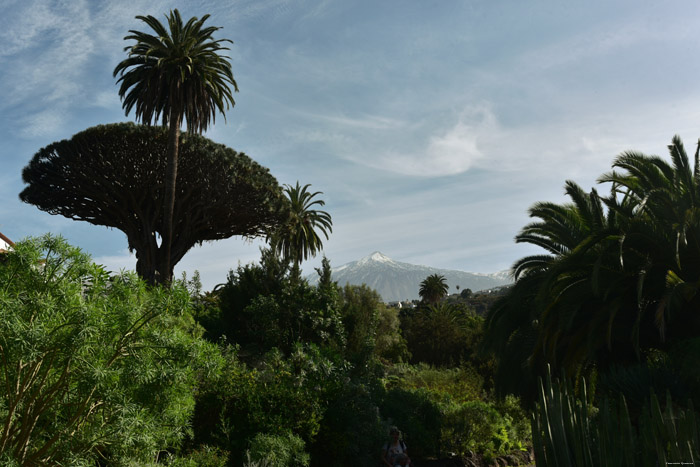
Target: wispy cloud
(408, 148)
(367, 122)
(52, 49)
(42, 123)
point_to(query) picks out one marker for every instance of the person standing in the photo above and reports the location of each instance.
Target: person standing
(394, 452)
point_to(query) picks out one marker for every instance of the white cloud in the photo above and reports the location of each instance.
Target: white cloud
(449, 153)
(41, 124)
(123, 260)
(372, 141)
(213, 260)
(366, 122)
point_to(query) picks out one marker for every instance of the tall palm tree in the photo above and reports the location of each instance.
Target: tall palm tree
(298, 238)
(621, 273)
(433, 288)
(665, 233)
(173, 75)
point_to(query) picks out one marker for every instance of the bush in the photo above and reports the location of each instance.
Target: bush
(469, 423)
(283, 394)
(458, 384)
(93, 365)
(417, 416)
(442, 334)
(279, 450)
(478, 426)
(351, 431)
(204, 456)
(262, 307)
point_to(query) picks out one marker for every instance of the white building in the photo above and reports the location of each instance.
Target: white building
(5, 244)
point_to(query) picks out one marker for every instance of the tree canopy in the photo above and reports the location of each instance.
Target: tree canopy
(113, 175)
(299, 238)
(620, 275)
(433, 288)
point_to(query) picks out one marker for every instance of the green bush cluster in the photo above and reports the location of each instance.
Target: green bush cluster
(93, 365)
(279, 450)
(463, 415)
(266, 370)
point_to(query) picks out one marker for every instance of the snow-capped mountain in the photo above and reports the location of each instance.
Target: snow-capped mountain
(395, 280)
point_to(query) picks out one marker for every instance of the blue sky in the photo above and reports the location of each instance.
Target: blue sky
(430, 126)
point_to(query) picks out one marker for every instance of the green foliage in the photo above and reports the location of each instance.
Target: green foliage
(92, 365)
(279, 450)
(565, 431)
(390, 345)
(176, 72)
(470, 422)
(442, 334)
(351, 430)
(298, 239)
(372, 328)
(457, 384)
(263, 307)
(360, 312)
(474, 426)
(418, 416)
(204, 456)
(282, 394)
(619, 276)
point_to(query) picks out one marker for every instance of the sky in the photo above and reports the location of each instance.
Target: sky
(429, 126)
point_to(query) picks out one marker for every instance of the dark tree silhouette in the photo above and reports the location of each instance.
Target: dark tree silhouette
(113, 175)
(433, 288)
(620, 275)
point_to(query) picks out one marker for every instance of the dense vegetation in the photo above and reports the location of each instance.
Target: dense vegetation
(613, 303)
(101, 368)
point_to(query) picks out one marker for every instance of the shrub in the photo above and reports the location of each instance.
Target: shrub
(418, 416)
(443, 334)
(473, 426)
(204, 456)
(458, 384)
(351, 431)
(93, 365)
(262, 307)
(282, 394)
(279, 450)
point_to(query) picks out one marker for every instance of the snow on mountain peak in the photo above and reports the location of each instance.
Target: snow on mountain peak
(376, 256)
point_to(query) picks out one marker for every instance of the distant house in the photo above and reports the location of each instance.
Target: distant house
(5, 244)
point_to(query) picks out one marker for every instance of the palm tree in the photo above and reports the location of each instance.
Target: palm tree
(175, 74)
(433, 288)
(664, 233)
(621, 273)
(298, 239)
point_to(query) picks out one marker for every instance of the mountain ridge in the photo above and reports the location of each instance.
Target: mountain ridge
(395, 280)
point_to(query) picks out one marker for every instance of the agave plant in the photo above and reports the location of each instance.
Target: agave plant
(567, 431)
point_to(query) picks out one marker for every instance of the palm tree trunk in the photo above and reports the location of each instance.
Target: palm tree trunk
(166, 273)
